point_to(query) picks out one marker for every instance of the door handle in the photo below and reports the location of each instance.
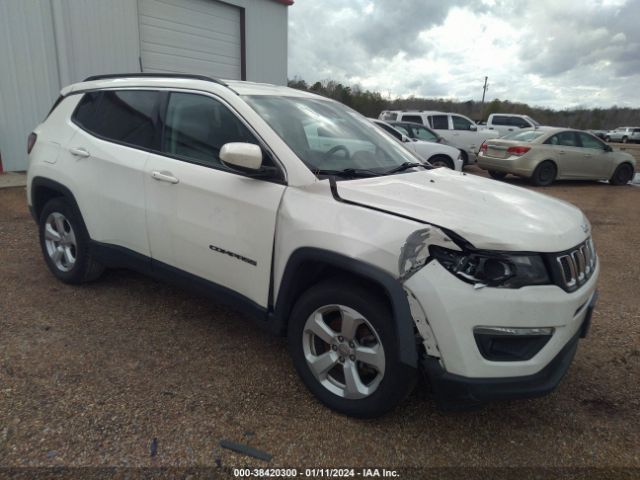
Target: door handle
(561, 152)
(79, 152)
(164, 176)
(588, 155)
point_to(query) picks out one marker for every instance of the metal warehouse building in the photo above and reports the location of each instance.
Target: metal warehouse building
(47, 44)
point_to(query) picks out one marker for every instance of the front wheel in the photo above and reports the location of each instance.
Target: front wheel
(497, 175)
(544, 174)
(441, 161)
(344, 346)
(622, 175)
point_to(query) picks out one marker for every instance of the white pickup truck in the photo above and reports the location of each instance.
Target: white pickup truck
(504, 123)
(458, 130)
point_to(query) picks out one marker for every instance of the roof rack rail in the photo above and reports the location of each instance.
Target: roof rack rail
(154, 75)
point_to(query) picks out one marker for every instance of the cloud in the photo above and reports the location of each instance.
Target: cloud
(557, 53)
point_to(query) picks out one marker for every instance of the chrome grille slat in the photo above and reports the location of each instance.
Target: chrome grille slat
(576, 266)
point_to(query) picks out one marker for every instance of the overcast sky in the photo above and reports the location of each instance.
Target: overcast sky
(555, 53)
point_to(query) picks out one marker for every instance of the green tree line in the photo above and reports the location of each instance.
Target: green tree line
(371, 103)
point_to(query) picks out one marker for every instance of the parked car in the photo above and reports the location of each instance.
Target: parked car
(504, 123)
(624, 135)
(438, 155)
(458, 130)
(547, 154)
(374, 266)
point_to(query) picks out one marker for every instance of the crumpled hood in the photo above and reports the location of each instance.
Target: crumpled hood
(487, 213)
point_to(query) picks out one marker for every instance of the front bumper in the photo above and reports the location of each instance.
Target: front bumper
(455, 392)
(454, 308)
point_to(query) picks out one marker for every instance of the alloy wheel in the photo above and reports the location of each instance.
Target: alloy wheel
(60, 241)
(343, 351)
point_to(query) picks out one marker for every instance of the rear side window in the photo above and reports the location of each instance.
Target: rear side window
(500, 120)
(412, 118)
(440, 122)
(123, 116)
(566, 139)
(197, 126)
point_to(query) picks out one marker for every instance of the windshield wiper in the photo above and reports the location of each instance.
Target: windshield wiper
(404, 166)
(348, 172)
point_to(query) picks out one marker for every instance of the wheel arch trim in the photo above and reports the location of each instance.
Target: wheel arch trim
(403, 321)
(41, 182)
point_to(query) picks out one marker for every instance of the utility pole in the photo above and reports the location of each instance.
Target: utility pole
(484, 91)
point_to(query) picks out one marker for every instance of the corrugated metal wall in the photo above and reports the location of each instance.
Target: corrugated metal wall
(47, 44)
(29, 81)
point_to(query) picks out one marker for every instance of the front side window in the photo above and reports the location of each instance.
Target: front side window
(460, 123)
(440, 122)
(352, 141)
(424, 134)
(589, 141)
(197, 126)
(123, 116)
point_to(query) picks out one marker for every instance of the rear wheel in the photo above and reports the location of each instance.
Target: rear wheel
(544, 174)
(497, 175)
(441, 161)
(344, 346)
(65, 243)
(622, 175)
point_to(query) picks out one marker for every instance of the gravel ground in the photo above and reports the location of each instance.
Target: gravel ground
(131, 372)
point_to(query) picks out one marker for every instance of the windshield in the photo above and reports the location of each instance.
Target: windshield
(533, 122)
(524, 136)
(327, 136)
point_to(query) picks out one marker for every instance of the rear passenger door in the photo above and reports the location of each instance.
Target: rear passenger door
(204, 218)
(116, 128)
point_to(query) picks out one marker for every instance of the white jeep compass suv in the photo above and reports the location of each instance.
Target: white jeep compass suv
(374, 266)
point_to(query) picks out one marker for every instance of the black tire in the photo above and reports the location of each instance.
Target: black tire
(544, 174)
(398, 379)
(622, 175)
(465, 158)
(441, 161)
(497, 175)
(85, 268)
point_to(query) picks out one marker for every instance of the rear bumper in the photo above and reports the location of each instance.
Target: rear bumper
(514, 165)
(455, 392)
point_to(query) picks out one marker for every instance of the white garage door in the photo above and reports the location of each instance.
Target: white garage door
(190, 36)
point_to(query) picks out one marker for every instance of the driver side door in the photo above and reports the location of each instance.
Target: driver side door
(203, 218)
(597, 163)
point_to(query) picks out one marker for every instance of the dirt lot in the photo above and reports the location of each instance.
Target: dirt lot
(92, 375)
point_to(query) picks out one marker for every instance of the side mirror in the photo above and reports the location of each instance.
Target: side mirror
(473, 128)
(608, 148)
(244, 156)
(405, 139)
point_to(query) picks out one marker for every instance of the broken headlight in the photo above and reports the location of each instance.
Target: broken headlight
(493, 269)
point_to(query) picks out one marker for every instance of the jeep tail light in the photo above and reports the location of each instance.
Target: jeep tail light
(31, 141)
(518, 150)
(483, 147)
